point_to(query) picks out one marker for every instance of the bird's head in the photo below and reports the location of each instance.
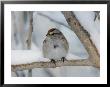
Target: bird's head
(53, 31)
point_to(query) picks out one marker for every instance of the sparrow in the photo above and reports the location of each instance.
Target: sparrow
(55, 45)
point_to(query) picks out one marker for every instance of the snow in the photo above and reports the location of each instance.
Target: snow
(29, 56)
(45, 20)
(26, 56)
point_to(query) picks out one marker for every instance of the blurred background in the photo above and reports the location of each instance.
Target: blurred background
(29, 29)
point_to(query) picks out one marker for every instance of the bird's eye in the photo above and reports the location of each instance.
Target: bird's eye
(51, 33)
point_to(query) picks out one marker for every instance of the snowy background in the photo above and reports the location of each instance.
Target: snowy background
(42, 22)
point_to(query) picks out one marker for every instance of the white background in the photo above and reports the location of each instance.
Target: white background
(55, 7)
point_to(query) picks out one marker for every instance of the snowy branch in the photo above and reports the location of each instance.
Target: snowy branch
(84, 37)
(59, 63)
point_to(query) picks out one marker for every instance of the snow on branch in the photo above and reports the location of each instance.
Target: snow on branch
(30, 59)
(84, 37)
(59, 63)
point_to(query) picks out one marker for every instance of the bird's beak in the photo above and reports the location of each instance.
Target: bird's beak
(46, 34)
(50, 33)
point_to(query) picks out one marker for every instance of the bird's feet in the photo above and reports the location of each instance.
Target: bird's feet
(53, 61)
(63, 59)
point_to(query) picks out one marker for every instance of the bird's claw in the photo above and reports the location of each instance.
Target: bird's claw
(63, 59)
(53, 61)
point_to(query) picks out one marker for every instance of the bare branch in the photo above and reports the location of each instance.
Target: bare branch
(84, 37)
(59, 63)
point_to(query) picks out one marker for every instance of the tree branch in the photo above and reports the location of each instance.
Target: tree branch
(59, 63)
(84, 37)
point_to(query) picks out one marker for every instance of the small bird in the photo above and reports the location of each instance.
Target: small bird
(55, 45)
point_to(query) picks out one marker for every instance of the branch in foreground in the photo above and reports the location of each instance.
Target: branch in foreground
(59, 63)
(84, 37)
